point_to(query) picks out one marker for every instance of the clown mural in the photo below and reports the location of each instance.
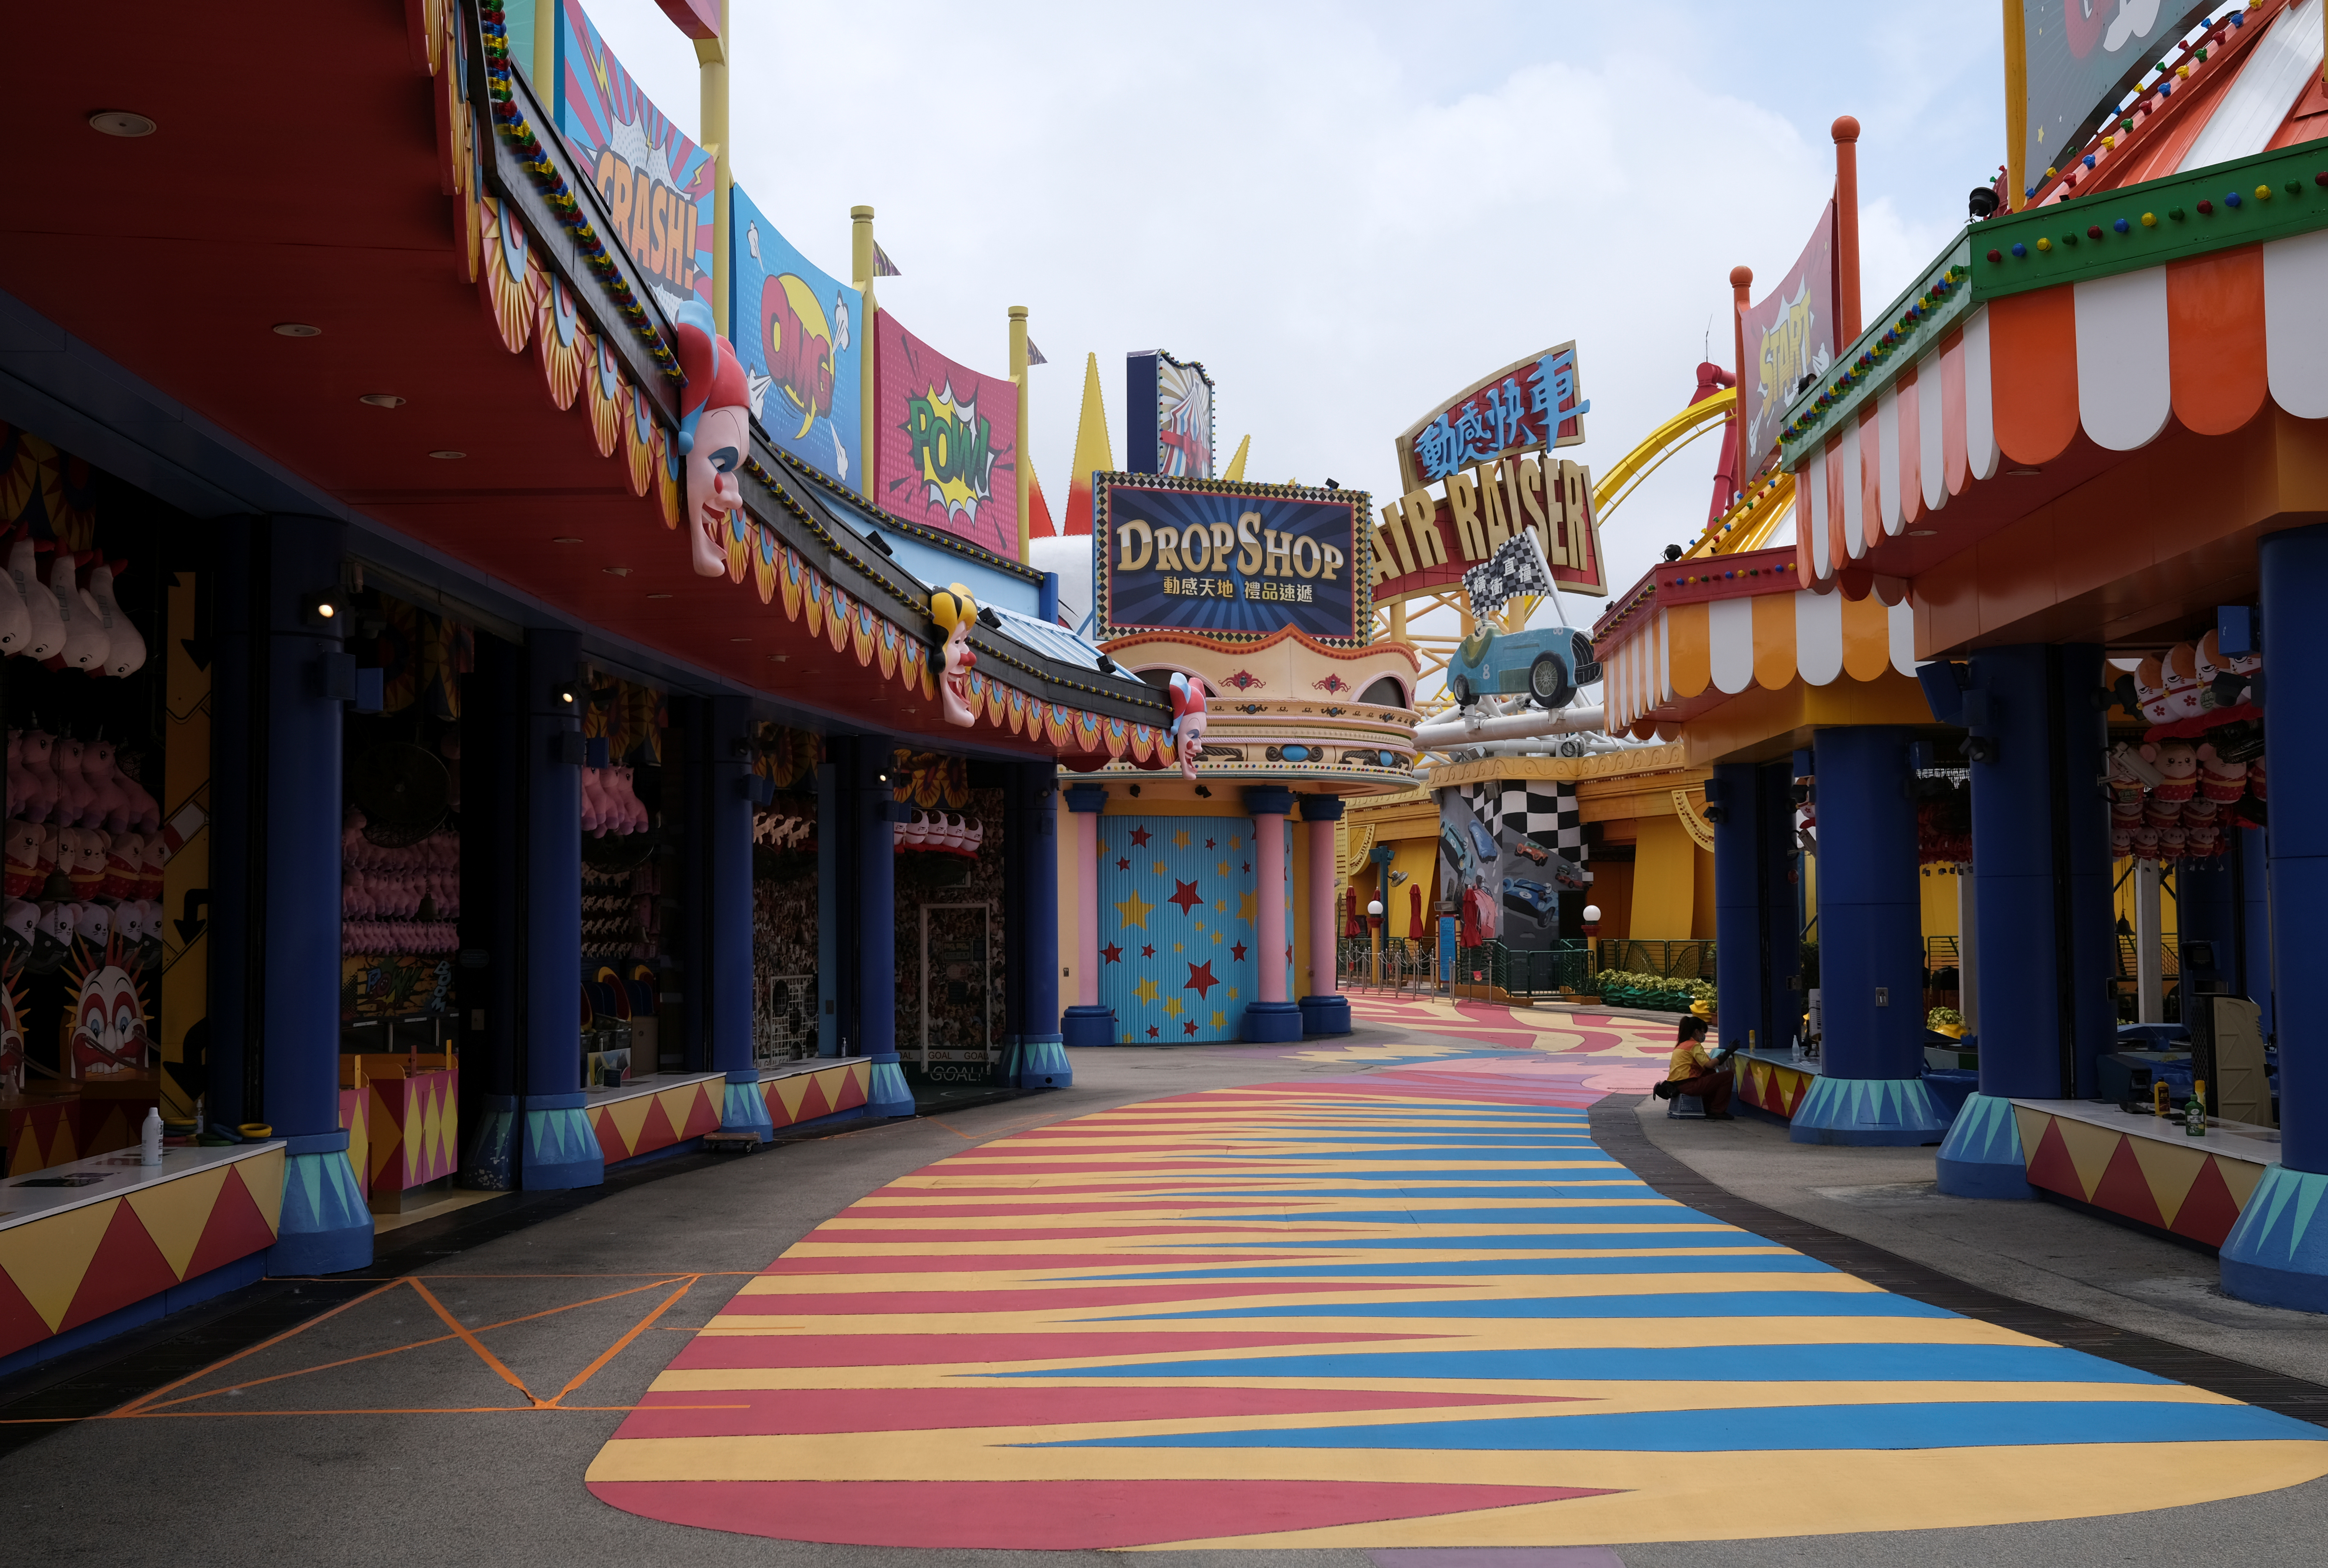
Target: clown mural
(950, 659)
(109, 1019)
(715, 437)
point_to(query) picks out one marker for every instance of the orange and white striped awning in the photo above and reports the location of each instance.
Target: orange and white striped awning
(1707, 628)
(2202, 341)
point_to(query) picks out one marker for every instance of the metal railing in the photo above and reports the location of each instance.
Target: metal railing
(1691, 959)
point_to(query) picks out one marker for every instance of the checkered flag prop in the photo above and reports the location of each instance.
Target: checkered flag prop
(1546, 813)
(1481, 798)
(1515, 571)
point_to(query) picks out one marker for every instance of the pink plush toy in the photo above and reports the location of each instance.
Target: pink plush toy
(140, 810)
(22, 839)
(16, 781)
(125, 860)
(74, 796)
(594, 801)
(109, 803)
(630, 812)
(2177, 761)
(87, 872)
(2220, 781)
(36, 753)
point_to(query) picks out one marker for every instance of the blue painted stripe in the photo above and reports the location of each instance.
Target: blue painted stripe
(1644, 1237)
(1780, 1429)
(1764, 1262)
(1870, 1363)
(1661, 1212)
(1673, 1304)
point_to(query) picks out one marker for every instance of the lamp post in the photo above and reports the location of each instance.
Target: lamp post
(1374, 921)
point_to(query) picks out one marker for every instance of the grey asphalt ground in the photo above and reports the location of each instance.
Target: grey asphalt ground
(224, 1479)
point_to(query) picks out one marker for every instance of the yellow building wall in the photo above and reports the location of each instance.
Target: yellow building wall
(1701, 912)
(1612, 892)
(1940, 902)
(1664, 881)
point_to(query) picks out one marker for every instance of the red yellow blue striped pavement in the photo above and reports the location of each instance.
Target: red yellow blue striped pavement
(1417, 1307)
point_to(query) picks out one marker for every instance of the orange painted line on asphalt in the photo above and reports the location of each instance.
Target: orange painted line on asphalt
(151, 1404)
(474, 1343)
(134, 1405)
(619, 1346)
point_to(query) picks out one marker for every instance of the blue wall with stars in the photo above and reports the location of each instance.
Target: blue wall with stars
(1176, 957)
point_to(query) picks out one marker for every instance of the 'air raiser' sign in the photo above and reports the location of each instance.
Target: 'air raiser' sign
(1233, 562)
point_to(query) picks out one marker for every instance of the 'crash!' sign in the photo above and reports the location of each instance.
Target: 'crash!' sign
(1236, 563)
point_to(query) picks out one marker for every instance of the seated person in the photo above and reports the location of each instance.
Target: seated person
(1693, 1071)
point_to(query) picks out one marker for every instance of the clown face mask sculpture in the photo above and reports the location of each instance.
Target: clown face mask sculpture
(1187, 723)
(715, 437)
(955, 612)
(108, 1024)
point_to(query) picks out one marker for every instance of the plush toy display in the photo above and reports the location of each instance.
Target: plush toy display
(2198, 772)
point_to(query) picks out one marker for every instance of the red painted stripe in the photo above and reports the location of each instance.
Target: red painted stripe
(775, 1412)
(890, 1302)
(1048, 1516)
(854, 1235)
(901, 1262)
(721, 1350)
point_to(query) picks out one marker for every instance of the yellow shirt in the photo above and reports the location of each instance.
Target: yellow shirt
(1689, 1061)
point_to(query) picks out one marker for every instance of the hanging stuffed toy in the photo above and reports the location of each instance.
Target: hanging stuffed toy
(715, 437)
(46, 638)
(1187, 723)
(951, 657)
(2177, 762)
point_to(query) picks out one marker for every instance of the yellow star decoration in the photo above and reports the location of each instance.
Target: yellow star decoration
(1159, 868)
(1180, 840)
(1145, 990)
(1245, 907)
(1176, 947)
(1172, 1007)
(1234, 842)
(1200, 926)
(1233, 993)
(1222, 905)
(1216, 939)
(1101, 846)
(1134, 911)
(1220, 1020)
(1223, 868)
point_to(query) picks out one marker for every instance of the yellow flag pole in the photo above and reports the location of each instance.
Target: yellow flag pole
(711, 58)
(860, 264)
(1019, 378)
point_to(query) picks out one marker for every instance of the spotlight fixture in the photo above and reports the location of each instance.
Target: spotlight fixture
(988, 619)
(565, 694)
(616, 571)
(1333, 484)
(1135, 792)
(877, 542)
(120, 122)
(295, 329)
(1106, 665)
(320, 609)
(447, 454)
(1205, 792)
(377, 399)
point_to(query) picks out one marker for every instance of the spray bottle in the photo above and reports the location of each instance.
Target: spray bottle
(149, 1137)
(2194, 1114)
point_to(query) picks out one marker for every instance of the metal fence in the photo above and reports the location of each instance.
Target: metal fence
(1415, 966)
(1691, 959)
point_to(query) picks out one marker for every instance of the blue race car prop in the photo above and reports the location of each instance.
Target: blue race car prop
(1546, 665)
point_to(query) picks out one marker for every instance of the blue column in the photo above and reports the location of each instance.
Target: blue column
(325, 1227)
(2278, 1252)
(1326, 1010)
(1870, 1086)
(728, 878)
(1741, 881)
(2041, 870)
(493, 894)
(1782, 912)
(873, 868)
(1087, 1022)
(2254, 892)
(1040, 1050)
(828, 911)
(558, 1148)
(2207, 914)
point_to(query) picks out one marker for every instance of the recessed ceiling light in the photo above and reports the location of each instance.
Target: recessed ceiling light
(295, 329)
(447, 454)
(778, 658)
(567, 538)
(616, 571)
(739, 639)
(1923, 533)
(120, 122)
(658, 596)
(381, 401)
(2025, 473)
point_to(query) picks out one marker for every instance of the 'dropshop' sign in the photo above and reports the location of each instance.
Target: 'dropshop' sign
(1236, 563)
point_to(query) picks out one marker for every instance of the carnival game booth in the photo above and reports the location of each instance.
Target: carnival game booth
(1202, 913)
(442, 509)
(2085, 451)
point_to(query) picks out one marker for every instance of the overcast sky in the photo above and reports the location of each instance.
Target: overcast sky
(1349, 212)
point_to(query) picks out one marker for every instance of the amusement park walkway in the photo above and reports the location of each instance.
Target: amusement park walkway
(1370, 1303)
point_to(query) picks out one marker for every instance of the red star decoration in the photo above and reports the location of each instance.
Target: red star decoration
(1114, 953)
(1152, 1031)
(1185, 895)
(1236, 951)
(1140, 837)
(1146, 950)
(1122, 864)
(1245, 864)
(1189, 1027)
(1201, 979)
(1208, 843)
(1289, 953)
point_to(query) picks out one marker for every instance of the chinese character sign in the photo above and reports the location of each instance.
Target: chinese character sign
(657, 186)
(948, 442)
(1234, 562)
(799, 333)
(1788, 337)
(1528, 406)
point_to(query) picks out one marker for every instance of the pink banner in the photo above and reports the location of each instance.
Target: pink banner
(947, 442)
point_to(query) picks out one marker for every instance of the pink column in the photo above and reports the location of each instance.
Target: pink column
(1087, 900)
(1269, 902)
(1325, 912)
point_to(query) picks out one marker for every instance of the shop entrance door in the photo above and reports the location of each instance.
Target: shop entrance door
(957, 1035)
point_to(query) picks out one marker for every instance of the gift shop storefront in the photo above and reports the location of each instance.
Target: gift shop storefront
(453, 746)
(2073, 479)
